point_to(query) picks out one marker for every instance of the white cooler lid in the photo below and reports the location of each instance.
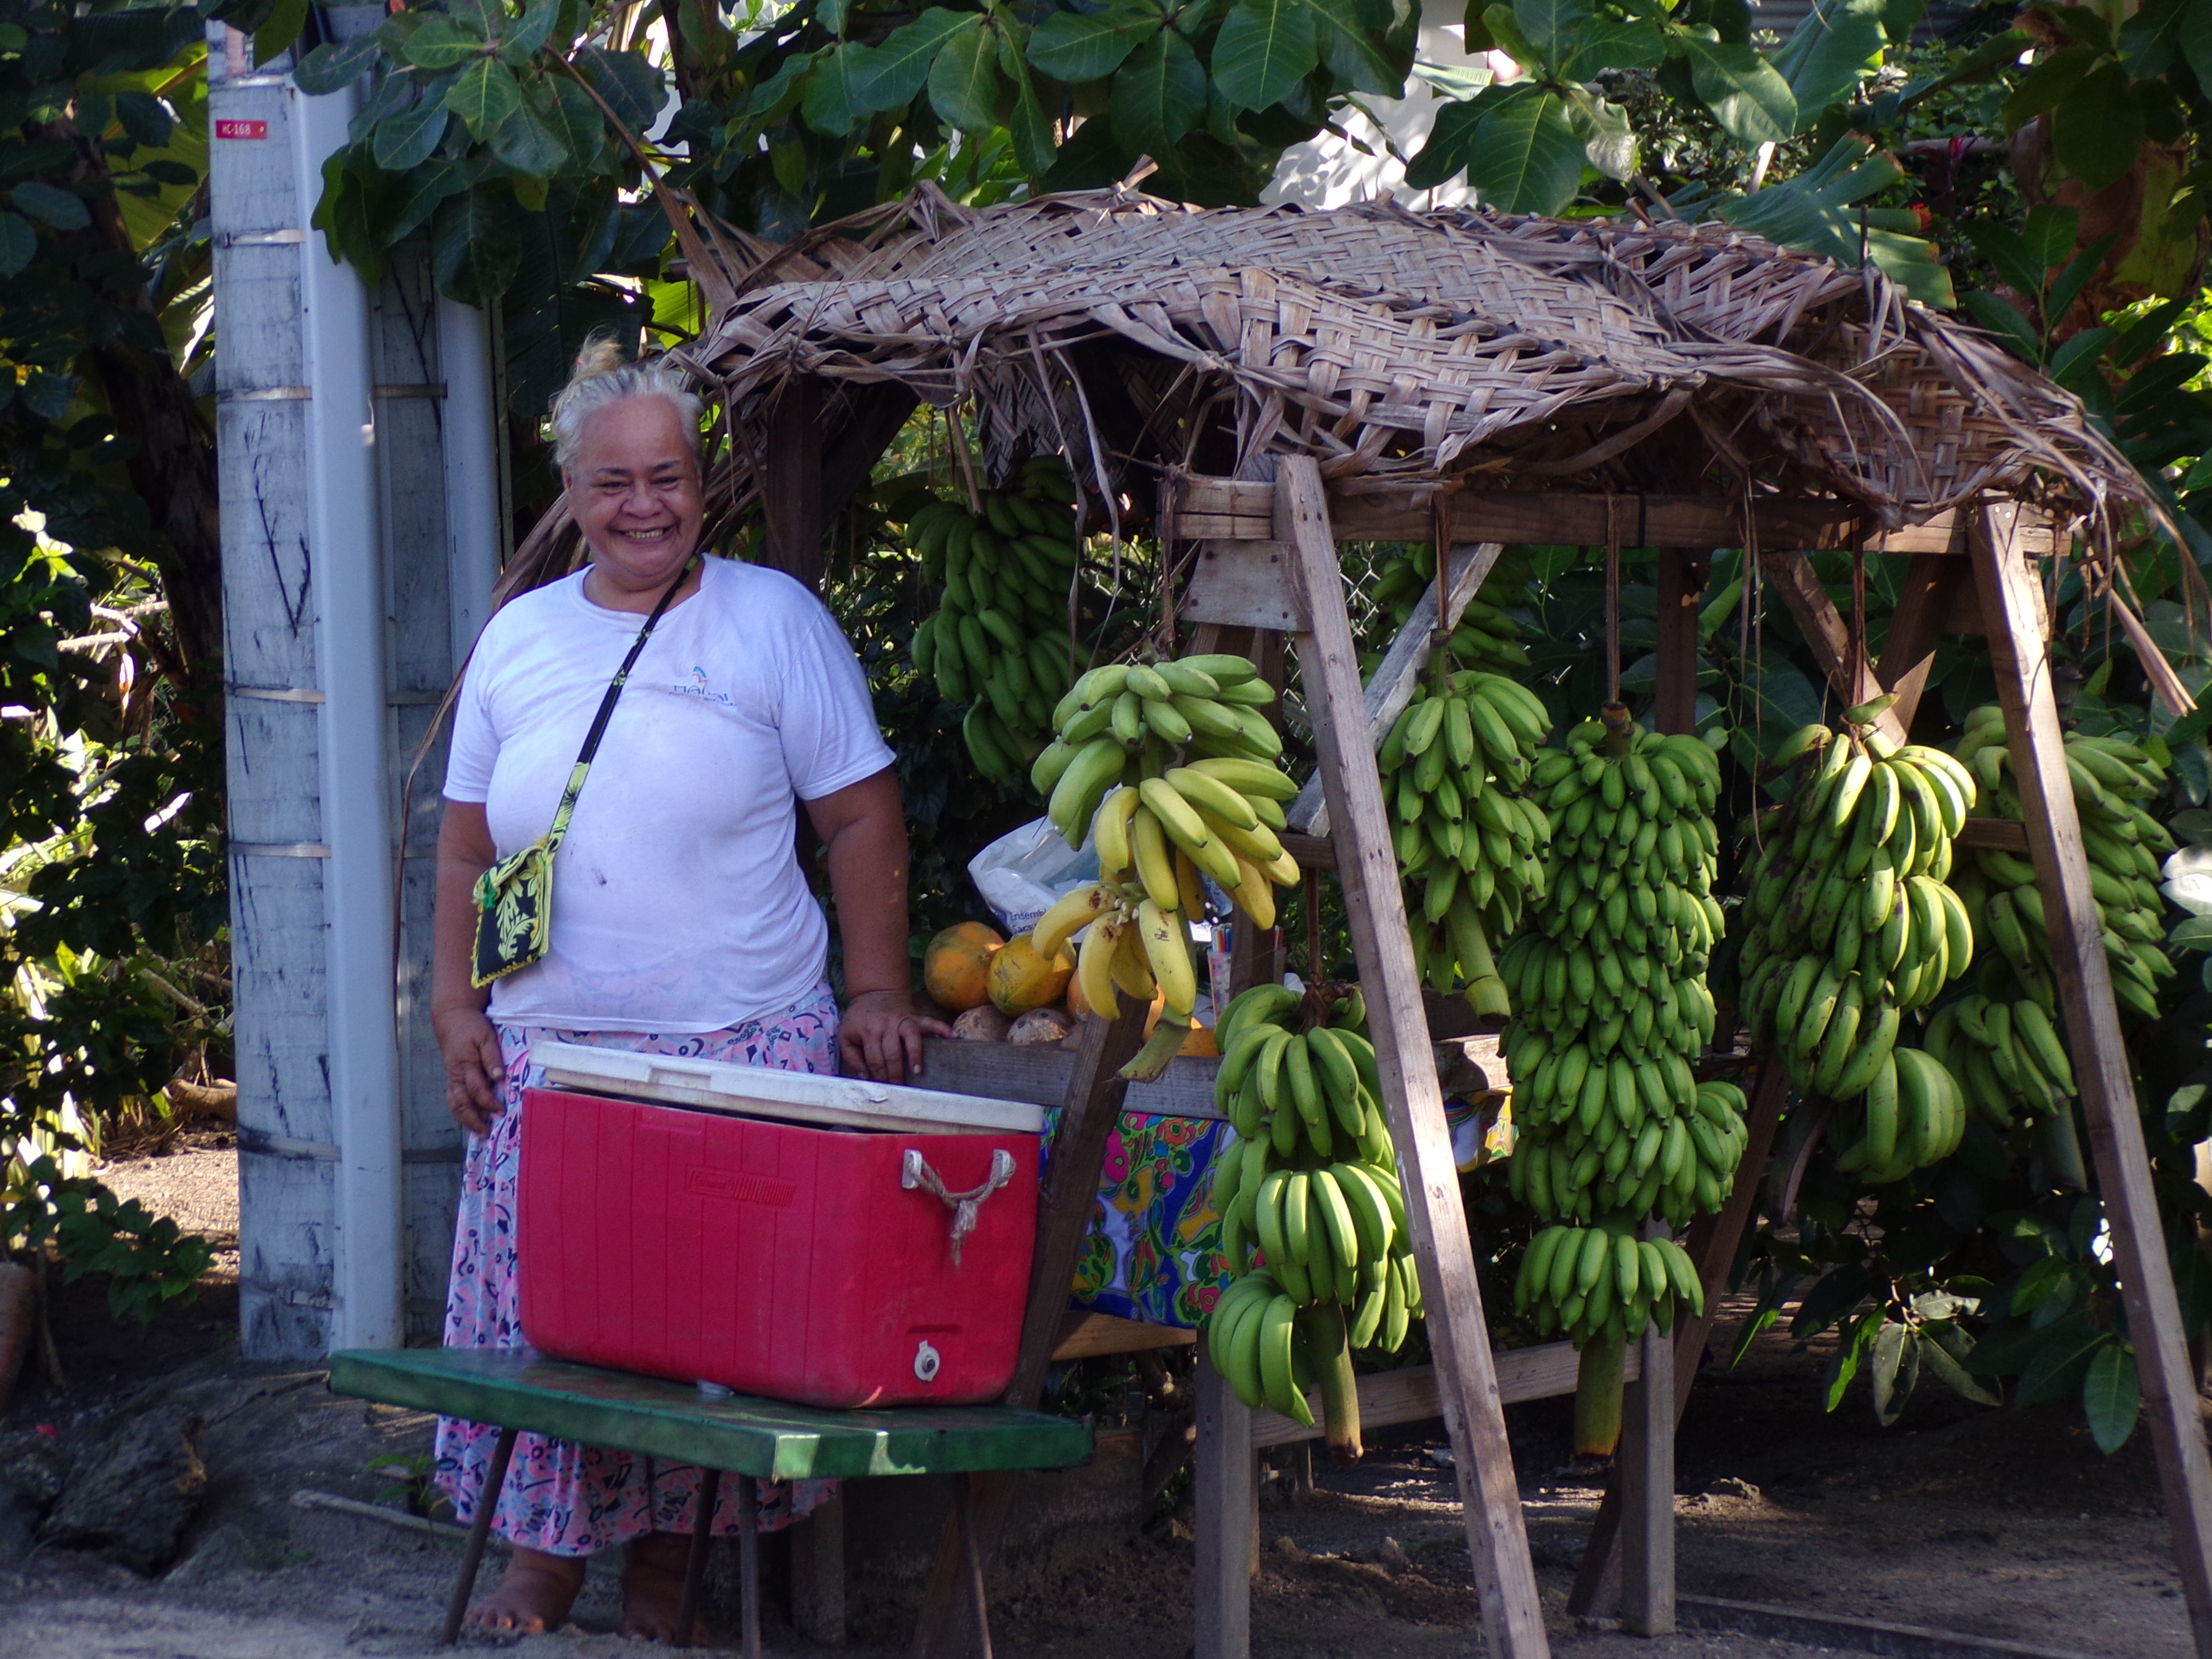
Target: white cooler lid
(762, 1092)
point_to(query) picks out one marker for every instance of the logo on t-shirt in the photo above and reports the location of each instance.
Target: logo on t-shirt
(701, 689)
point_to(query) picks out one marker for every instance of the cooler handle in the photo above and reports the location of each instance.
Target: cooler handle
(914, 1171)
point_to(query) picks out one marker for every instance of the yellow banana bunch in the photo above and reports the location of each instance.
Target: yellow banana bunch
(1470, 841)
(1852, 925)
(1311, 1182)
(999, 640)
(2126, 846)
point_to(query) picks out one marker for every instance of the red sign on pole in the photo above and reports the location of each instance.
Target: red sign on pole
(241, 129)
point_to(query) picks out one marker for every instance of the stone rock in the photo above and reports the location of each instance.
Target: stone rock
(133, 1498)
(33, 1467)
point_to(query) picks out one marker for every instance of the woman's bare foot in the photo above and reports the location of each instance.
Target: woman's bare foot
(653, 1586)
(533, 1596)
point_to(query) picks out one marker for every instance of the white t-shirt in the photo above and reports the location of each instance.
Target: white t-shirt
(678, 903)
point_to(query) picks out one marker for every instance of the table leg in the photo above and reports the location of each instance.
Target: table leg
(748, 1565)
(695, 1566)
(472, 1557)
(975, 1566)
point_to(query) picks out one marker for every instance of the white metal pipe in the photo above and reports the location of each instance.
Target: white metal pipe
(468, 430)
(349, 653)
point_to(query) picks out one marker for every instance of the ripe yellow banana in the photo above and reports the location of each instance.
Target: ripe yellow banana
(1168, 951)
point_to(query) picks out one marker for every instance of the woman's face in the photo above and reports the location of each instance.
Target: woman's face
(634, 492)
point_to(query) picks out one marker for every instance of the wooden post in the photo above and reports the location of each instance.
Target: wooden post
(2012, 603)
(1683, 577)
(817, 1575)
(1934, 584)
(1504, 1578)
(791, 490)
(1071, 1185)
(1227, 1511)
(1645, 1474)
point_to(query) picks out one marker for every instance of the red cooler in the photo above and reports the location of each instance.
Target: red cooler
(830, 1241)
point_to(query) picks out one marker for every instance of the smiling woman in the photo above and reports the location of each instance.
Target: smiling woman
(680, 921)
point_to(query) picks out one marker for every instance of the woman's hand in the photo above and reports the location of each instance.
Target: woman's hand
(474, 1068)
(881, 1036)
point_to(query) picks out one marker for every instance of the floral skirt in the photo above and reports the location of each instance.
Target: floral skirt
(561, 1498)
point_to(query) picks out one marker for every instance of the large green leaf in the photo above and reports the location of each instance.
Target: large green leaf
(1527, 158)
(1025, 123)
(62, 209)
(2196, 41)
(1955, 1376)
(1347, 43)
(1747, 97)
(830, 103)
(418, 195)
(281, 29)
(2097, 129)
(1838, 43)
(1266, 47)
(2051, 80)
(2112, 1397)
(405, 141)
(528, 145)
(2055, 1370)
(1820, 211)
(1613, 42)
(484, 96)
(439, 44)
(1158, 96)
(1552, 27)
(633, 88)
(569, 111)
(1078, 47)
(965, 87)
(1609, 140)
(888, 75)
(1895, 1368)
(331, 67)
(2151, 41)
(18, 243)
(476, 244)
(1451, 140)
(519, 42)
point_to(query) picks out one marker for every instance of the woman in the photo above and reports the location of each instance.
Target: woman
(681, 923)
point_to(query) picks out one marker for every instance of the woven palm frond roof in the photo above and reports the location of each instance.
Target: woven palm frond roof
(1402, 346)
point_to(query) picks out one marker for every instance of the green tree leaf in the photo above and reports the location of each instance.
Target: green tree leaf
(345, 214)
(1552, 27)
(1839, 42)
(1025, 123)
(1613, 42)
(2097, 129)
(528, 145)
(2004, 320)
(633, 88)
(2050, 79)
(1747, 97)
(2194, 38)
(286, 18)
(1348, 45)
(1894, 1370)
(2151, 41)
(1158, 96)
(333, 67)
(2112, 1397)
(63, 209)
(830, 103)
(1609, 141)
(567, 110)
(418, 196)
(520, 42)
(1450, 141)
(484, 96)
(440, 44)
(1527, 158)
(2082, 23)
(965, 87)
(2055, 1370)
(890, 74)
(476, 244)
(1266, 47)
(18, 243)
(405, 141)
(1078, 47)
(1954, 1375)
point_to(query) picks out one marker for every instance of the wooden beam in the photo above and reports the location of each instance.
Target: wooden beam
(1387, 1398)
(1043, 1074)
(791, 484)
(1398, 676)
(1645, 1472)
(1239, 509)
(2012, 600)
(1242, 584)
(1682, 577)
(2006, 835)
(1225, 1497)
(1328, 663)
(947, 1629)
(1089, 1335)
(1826, 635)
(1925, 603)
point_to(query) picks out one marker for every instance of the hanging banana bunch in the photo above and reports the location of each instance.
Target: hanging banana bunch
(1613, 1125)
(1470, 842)
(1171, 766)
(1486, 637)
(1312, 1180)
(999, 640)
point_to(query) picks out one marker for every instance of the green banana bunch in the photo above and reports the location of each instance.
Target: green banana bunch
(1470, 842)
(999, 640)
(1851, 925)
(2004, 1055)
(2125, 845)
(1913, 1115)
(1582, 1280)
(1486, 636)
(1311, 1182)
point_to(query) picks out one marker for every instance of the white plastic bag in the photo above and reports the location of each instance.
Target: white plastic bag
(1020, 874)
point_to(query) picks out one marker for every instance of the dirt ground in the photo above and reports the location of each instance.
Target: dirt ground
(2005, 1524)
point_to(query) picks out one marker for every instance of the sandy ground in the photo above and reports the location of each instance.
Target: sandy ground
(2005, 1524)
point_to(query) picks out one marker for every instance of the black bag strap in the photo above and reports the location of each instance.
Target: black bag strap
(559, 829)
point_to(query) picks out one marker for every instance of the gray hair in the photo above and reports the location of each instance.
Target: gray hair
(602, 377)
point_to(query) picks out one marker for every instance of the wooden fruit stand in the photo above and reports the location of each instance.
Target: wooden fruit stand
(1282, 383)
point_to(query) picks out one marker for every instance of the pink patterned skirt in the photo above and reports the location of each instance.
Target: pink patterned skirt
(561, 1498)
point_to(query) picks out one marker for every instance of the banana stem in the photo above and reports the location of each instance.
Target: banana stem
(1330, 1346)
(1620, 729)
(2061, 1148)
(1598, 1394)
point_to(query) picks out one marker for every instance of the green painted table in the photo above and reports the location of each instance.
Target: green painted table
(754, 1439)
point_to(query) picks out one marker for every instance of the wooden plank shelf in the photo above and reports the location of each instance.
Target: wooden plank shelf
(1390, 1398)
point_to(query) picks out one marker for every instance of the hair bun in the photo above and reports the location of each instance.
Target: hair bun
(602, 354)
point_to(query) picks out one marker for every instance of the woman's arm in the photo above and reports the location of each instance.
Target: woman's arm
(863, 826)
(466, 1038)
